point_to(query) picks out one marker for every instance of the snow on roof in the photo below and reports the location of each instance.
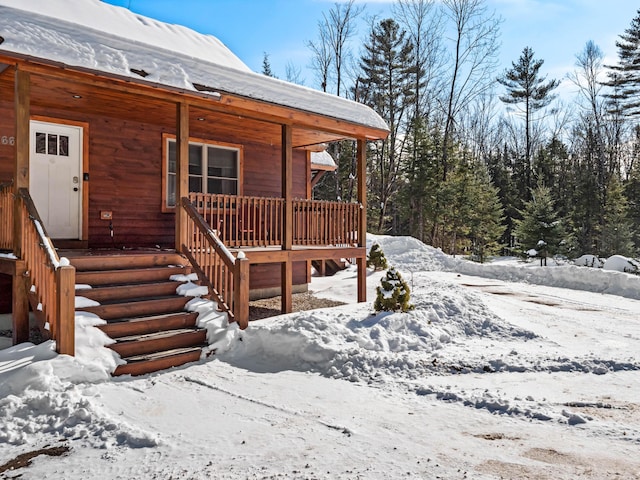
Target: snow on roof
(323, 159)
(102, 37)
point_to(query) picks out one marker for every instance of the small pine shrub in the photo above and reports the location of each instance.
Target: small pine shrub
(376, 258)
(393, 293)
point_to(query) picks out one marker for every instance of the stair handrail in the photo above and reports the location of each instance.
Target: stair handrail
(6, 215)
(52, 279)
(226, 276)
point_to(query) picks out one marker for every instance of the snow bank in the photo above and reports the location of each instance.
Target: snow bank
(408, 255)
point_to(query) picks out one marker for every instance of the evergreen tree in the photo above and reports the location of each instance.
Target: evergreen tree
(500, 171)
(625, 77)
(632, 193)
(422, 177)
(585, 198)
(616, 238)
(486, 218)
(525, 86)
(376, 258)
(386, 85)
(392, 295)
(460, 200)
(540, 228)
(266, 66)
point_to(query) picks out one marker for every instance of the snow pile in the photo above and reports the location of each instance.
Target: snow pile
(408, 254)
(43, 394)
(619, 263)
(220, 334)
(52, 406)
(84, 302)
(356, 344)
(190, 289)
(588, 261)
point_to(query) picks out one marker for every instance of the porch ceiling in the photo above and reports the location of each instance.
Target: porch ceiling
(59, 94)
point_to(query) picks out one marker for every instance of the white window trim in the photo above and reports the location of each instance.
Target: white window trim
(166, 174)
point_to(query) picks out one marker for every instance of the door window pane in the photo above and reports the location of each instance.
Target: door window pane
(64, 146)
(41, 142)
(52, 144)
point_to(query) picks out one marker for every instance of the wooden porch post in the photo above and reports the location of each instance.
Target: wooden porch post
(286, 276)
(20, 301)
(20, 305)
(241, 292)
(65, 280)
(182, 171)
(361, 262)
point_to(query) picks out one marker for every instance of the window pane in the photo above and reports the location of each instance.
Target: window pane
(41, 142)
(172, 157)
(195, 184)
(64, 145)
(171, 190)
(52, 144)
(222, 162)
(195, 160)
(218, 185)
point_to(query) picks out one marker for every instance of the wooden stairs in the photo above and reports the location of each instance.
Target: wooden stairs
(144, 315)
(328, 268)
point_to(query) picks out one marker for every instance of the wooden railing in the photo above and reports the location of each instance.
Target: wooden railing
(226, 276)
(6, 215)
(242, 221)
(317, 222)
(257, 221)
(52, 279)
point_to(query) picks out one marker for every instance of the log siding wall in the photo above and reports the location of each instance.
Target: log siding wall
(125, 168)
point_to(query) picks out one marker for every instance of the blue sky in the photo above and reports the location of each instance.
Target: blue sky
(556, 30)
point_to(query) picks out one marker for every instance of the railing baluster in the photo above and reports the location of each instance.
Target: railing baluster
(6, 215)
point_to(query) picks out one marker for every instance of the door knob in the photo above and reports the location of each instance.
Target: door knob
(75, 189)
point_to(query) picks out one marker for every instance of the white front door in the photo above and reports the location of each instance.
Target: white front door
(55, 177)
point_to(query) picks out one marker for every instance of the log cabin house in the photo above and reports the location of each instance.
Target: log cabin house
(137, 149)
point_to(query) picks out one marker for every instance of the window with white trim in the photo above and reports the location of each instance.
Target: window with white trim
(213, 168)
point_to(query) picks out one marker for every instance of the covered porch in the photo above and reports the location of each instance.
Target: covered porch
(270, 218)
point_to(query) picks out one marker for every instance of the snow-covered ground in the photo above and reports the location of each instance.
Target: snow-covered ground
(505, 370)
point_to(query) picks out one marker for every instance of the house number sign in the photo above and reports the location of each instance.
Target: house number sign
(4, 140)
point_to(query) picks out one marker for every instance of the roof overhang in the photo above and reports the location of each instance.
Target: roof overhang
(79, 53)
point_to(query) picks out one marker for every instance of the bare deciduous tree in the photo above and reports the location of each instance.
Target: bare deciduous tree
(321, 58)
(331, 52)
(473, 61)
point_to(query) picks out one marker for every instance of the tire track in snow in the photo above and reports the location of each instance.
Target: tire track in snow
(341, 429)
